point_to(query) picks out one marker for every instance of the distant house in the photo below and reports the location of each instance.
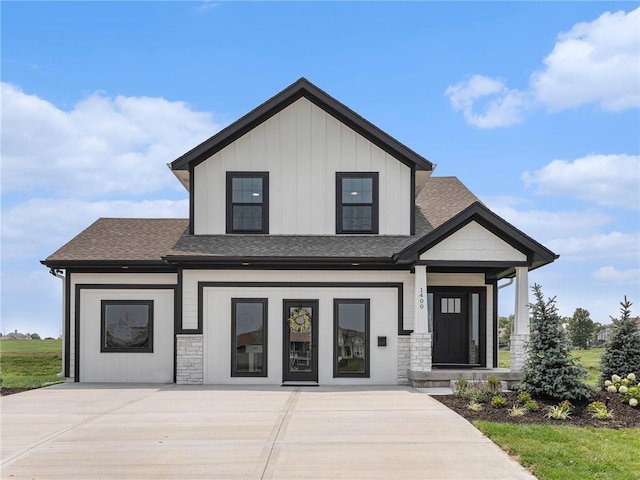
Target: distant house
(318, 249)
(16, 336)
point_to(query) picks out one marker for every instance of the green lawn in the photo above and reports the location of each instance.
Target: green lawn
(29, 363)
(590, 359)
(567, 453)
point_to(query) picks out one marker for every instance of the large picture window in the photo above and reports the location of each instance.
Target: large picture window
(357, 202)
(127, 326)
(247, 202)
(351, 338)
(249, 337)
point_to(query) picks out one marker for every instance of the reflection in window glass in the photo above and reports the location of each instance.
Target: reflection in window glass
(249, 337)
(474, 329)
(351, 337)
(127, 326)
(247, 202)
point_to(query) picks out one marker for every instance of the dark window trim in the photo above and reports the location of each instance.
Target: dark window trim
(265, 201)
(367, 335)
(374, 176)
(265, 337)
(107, 286)
(103, 330)
(399, 286)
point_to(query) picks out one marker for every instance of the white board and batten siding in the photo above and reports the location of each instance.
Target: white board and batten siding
(96, 366)
(302, 147)
(217, 318)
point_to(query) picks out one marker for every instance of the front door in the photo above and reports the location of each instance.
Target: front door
(450, 332)
(300, 340)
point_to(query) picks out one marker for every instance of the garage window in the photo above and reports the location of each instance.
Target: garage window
(126, 326)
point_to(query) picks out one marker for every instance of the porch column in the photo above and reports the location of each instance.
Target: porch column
(420, 343)
(421, 317)
(520, 334)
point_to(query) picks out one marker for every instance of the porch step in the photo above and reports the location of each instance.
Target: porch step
(300, 384)
(446, 377)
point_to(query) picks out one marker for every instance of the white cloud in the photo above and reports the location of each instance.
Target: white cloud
(545, 226)
(504, 107)
(594, 62)
(613, 275)
(102, 146)
(608, 180)
(39, 226)
(601, 246)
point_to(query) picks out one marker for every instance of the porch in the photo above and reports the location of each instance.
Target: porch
(444, 377)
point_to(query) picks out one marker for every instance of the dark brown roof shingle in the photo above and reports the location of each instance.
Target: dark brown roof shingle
(124, 239)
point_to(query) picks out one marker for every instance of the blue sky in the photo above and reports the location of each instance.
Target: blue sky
(534, 106)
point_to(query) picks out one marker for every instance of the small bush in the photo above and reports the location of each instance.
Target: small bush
(600, 411)
(461, 387)
(559, 412)
(474, 406)
(531, 406)
(498, 401)
(523, 398)
(494, 385)
(516, 411)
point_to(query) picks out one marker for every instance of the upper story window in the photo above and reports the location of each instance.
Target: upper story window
(357, 202)
(247, 202)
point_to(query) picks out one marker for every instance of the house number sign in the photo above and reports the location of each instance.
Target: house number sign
(421, 299)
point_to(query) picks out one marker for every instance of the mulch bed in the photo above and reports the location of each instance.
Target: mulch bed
(624, 416)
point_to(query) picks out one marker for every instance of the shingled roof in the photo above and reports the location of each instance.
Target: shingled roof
(122, 240)
(155, 241)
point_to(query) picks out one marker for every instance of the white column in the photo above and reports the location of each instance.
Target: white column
(521, 326)
(421, 315)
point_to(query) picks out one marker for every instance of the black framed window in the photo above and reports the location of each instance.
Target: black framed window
(247, 202)
(248, 337)
(351, 338)
(357, 202)
(126, 326)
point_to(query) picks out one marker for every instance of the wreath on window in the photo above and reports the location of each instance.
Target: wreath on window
(300, 320)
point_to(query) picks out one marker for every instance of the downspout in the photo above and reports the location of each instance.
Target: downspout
(59, 273)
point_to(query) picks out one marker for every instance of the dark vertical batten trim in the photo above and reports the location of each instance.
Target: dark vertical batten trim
(67, 324)
(495, 323)
(177, 320)
(412, 202)
(192, 201)
(76, 336)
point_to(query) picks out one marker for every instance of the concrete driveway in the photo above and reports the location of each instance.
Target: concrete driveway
(93, 431)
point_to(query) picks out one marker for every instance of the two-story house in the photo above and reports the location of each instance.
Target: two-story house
(318, 249)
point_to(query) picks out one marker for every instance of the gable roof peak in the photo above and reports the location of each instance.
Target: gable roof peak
(301, 88)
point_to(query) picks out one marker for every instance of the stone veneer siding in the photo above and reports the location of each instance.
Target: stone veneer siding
(404, 359)
(189, 360)
(518, 351)
(420, 344)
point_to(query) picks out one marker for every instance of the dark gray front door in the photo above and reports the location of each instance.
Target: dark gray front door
(450, 320)
(300, 340)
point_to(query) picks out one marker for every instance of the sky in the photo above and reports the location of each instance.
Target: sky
(534, 106)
